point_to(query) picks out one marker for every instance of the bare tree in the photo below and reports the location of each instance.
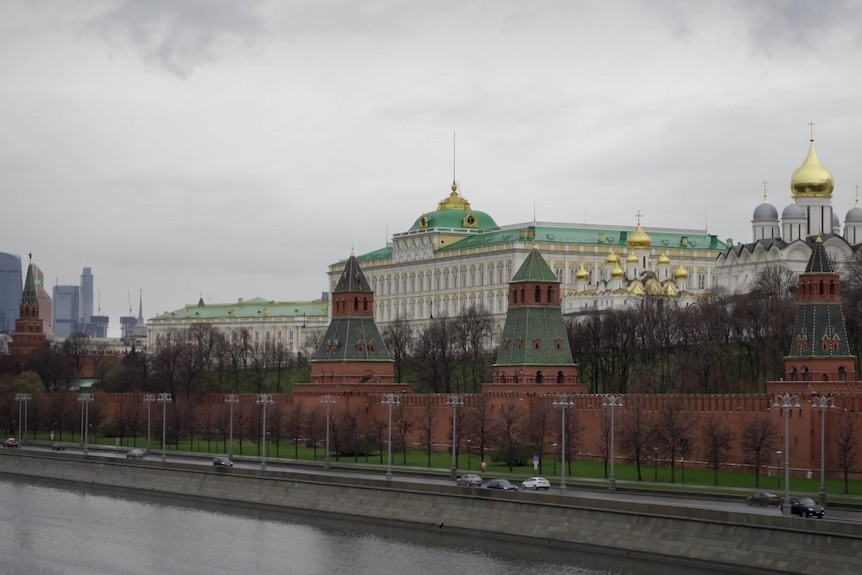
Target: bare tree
(717, 441)
(426, 423)
(759, 439)
(847, 446)
(398, 337)
(507, 428)
(636, 433)
(404, 424)
(674, 422)
(295, 426)
(435, 355)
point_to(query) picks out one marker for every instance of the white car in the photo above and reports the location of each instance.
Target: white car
(536, 483)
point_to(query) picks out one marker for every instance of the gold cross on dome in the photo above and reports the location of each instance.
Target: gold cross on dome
(638, 215)
(811, 125)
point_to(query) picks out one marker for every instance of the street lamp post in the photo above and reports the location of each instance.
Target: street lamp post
(390, 400)
(22, 398)
(262, 400)
(469, 451)
(164, 399)
(555, 459)
(786, 402)
(655, 464)
(149, 398)
(612, 402)
(327, 400)
(563, 401)
(822, 403)
(85, 399)
(778, 470)
(231, 399)
(455, 400)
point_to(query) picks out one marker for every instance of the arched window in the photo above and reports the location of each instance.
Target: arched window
(842, 374)
(550, 294)
(538, 294)
(539, 376)
(365, 304)
(356, 304)
(805, 373)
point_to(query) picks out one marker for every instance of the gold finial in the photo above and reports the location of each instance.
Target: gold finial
(819, 239)
(765, 184)
(638, 216)
(31, 253)
(811, 125)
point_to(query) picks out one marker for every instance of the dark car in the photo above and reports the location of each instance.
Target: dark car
(805, 507)
(469, 480)
(503, 484)
(58, 447)
(222, 462)
(764, 498)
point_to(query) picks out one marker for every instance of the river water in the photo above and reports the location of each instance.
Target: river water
(46, 530)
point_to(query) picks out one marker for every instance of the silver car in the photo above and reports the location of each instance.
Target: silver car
(135, 454)
(469, 480)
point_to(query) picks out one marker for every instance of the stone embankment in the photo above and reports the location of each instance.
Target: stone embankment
(741, 541)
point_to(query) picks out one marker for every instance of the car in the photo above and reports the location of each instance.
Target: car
(469, 480)
(58, 447)
(763, 498)
(135, 454)
(11, 442)
(503, 484)
(805, 507)
(221, 461)
(536, 483)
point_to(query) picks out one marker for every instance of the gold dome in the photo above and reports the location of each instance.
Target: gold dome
(632, 259)
(612, 258)
(812, 179)
(680, 273)
(582, 274)
(639, 239)
(663, 260)
(617, 272)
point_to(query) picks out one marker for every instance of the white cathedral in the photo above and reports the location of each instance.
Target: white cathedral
(789, 240)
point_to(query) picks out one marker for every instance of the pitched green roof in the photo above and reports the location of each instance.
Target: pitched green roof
(352, 339)
(535, 269)
(30, 296)
(819, 262)
(352, 279)
(534, 336)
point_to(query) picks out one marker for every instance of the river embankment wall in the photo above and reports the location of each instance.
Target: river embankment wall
(744, 542)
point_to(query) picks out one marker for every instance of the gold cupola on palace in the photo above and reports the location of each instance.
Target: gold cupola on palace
(812, 179)
(582, 274)
(639, 240)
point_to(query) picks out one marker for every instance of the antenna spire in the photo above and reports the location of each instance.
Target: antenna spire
(453, 156)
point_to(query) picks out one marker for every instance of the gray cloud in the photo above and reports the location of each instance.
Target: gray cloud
(180, 36)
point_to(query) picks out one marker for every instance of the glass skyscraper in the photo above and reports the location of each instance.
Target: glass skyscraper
(11, 290)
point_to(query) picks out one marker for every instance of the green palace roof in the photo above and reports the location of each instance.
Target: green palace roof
(250, 308)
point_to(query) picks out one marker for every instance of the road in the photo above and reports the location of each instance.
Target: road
(718, 503)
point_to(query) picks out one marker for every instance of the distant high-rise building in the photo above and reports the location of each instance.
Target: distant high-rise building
(66, 310)
(11, 290)
(86, 306)
(46, 304)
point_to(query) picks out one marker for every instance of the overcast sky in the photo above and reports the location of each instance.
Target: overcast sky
(228, 149)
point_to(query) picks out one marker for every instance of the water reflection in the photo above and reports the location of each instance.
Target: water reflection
(47, 529)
